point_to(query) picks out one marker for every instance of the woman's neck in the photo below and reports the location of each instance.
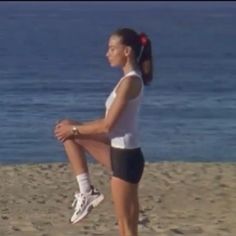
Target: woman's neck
(129, 67)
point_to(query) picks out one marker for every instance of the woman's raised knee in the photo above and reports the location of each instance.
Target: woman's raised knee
(71, 142)
(68, 141)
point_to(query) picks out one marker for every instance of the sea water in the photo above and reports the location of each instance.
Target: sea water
(53, 66)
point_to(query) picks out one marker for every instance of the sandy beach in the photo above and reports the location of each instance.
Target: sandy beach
(176, 198)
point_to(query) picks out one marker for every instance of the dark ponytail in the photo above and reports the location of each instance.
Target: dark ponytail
(141, 46)
(145, 59)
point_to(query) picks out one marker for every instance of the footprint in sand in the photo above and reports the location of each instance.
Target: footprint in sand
(5, 217)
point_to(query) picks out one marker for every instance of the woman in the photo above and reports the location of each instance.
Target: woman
(114, 139)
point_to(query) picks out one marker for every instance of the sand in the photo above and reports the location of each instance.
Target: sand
(176, 198)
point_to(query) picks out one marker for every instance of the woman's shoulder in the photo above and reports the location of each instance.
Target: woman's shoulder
(131, 84)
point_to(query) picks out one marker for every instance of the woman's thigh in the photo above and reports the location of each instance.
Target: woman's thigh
(98, 146)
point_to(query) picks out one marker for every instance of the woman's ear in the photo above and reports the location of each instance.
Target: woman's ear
(127, 51)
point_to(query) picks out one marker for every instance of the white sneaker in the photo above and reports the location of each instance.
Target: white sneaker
(84, 202)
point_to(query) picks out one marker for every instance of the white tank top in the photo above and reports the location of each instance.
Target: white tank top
(125, 133)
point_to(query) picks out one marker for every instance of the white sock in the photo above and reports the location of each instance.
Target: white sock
(84, 182)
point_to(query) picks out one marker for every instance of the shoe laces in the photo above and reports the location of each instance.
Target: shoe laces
(79, 201)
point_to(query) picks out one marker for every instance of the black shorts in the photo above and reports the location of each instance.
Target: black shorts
(127, 164)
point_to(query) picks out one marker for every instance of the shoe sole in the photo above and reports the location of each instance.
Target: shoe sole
(92, 205)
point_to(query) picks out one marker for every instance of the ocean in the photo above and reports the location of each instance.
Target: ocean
(53, 66)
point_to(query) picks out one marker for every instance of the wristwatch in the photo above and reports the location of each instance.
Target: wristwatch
(75, 131)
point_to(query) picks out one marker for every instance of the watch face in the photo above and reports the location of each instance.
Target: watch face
(74, 130)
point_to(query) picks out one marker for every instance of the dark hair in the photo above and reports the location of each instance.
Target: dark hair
(141, 46)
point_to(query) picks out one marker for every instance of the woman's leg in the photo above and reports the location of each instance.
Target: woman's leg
(97, 146)
(89, 197)
(125, 198)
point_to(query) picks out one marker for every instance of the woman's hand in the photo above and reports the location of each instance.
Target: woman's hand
(63, 131)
